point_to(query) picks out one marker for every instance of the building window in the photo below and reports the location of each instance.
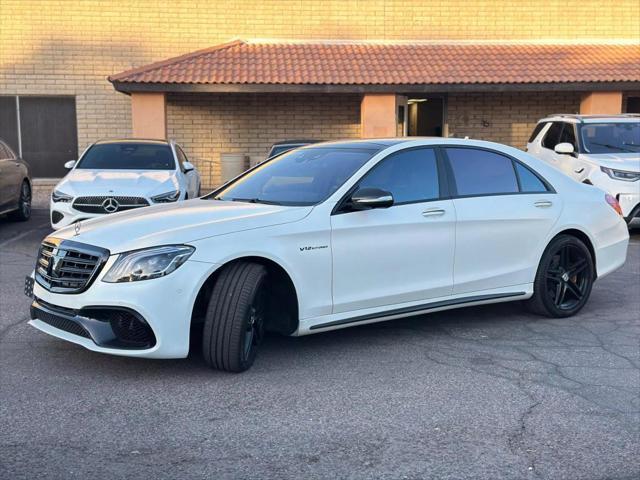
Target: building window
(42, 130)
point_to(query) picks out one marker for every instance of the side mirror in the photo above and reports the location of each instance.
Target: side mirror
(70, 164)
(564, 148)
(368, 198)
(187, 167)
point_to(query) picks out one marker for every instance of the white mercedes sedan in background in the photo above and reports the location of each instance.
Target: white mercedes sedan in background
(325, 237)
(118, 175)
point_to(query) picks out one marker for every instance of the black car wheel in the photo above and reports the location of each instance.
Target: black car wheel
(564, 278)
(234, 321)
(23, 213)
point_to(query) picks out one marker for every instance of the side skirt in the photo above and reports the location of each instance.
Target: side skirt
(423, 308)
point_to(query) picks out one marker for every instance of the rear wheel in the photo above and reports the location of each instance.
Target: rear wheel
(564, 278)
(234, 321)
(23, 213)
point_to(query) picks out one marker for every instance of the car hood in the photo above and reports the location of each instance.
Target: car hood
(177, 223)
(139, 183)
(620, 161)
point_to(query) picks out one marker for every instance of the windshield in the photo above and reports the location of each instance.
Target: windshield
(128, 156)
(297, 178)
(610, 137)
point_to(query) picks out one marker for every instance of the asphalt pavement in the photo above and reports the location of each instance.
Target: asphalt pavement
(478, 393)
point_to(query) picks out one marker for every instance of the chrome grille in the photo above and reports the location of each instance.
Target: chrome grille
(108, 204)
(65, 266)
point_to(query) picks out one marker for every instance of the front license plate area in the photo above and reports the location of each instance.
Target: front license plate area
(28, 286)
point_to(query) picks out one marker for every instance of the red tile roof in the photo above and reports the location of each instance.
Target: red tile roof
(361, 63)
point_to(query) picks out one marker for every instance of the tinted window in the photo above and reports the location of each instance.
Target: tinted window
(410, 176)
(128, 156)
(181, 157)
(299, 177)
(611, 137)
(536, 131)
(4, 152)
(552, 136)
(480, 172)
(529, 181)
(568, 135)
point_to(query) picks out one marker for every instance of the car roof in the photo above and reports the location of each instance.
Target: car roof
(150, 141)
(374, 143)
(575, 118)
(295, 142)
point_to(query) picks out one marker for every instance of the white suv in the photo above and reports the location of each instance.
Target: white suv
(325, 237)
(600, 150)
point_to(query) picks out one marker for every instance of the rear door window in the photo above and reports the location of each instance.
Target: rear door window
(481, 172)
(529, 181)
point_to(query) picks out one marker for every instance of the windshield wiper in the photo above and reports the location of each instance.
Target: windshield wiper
(608, 145)
(252, 200)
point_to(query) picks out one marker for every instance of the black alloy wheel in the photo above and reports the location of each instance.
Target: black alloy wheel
(568, 277)
(254, 331)
(564, 279)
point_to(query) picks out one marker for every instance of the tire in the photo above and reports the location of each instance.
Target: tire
(564, 278)
(23, 213)
(234, 321)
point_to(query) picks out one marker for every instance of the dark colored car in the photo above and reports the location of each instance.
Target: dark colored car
(15, 185)
(279, 148)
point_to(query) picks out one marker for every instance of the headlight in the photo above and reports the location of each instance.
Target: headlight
(148, 263)
(58, 196)
(621, 174)
(166, 197)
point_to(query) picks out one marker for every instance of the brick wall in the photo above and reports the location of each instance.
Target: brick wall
(71, 46)
(208, 125)
(505, 117)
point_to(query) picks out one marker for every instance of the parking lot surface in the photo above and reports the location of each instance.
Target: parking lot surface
(479, 393)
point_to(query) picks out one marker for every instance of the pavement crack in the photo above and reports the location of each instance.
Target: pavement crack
(6, 329)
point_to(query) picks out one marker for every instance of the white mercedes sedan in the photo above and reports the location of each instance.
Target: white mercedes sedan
(324, 237)
(118, 175)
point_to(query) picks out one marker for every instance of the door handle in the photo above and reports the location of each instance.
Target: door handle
(543, 204)
(580, 170)
(433, 212)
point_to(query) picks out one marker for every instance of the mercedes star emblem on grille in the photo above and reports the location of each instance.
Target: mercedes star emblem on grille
(55, 263)
(110, 205)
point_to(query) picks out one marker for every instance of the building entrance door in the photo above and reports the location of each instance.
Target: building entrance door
(425, 116)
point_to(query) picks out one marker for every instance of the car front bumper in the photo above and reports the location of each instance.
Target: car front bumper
(164, 304)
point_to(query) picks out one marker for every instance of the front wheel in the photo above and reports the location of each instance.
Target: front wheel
(564, 278)
(234, 321)
(23, 213)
